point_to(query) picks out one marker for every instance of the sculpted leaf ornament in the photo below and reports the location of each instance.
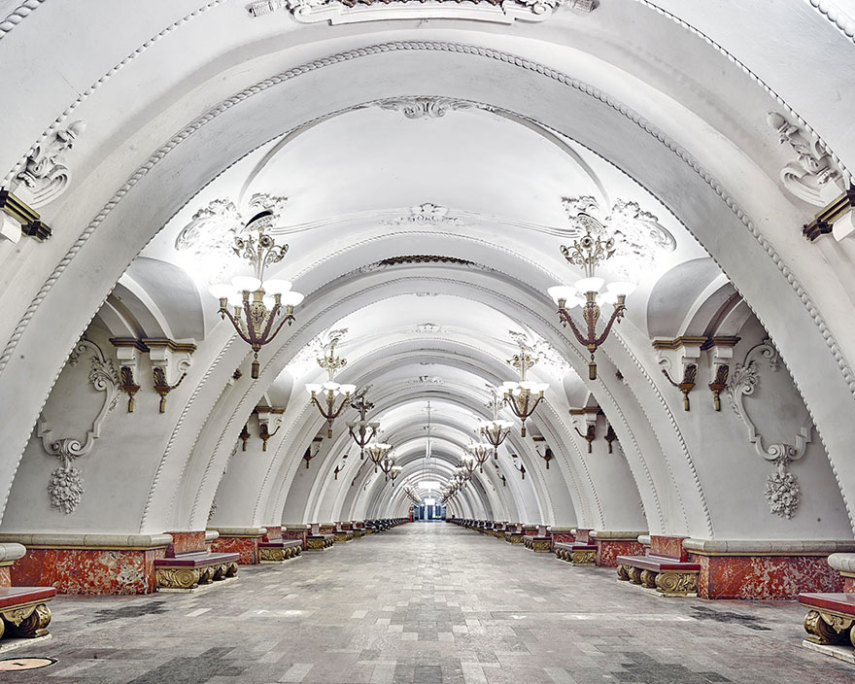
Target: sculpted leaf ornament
(782, 488)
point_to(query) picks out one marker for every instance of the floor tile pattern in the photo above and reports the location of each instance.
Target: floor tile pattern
(425, 603)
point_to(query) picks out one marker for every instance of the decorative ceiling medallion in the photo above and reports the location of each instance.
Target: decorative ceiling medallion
(423, 214)
(209, 236)
(353, 11)
(427, 328)
(423, 259)
(638, 235)
(424, 107)
(431, 380)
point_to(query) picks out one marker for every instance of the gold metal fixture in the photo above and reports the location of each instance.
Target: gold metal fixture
(162, 387)
(719, 384)
(377, 452)
(480, 452)
(257, 318)
(330, 390)
(610, 436)
(588, 252)
(687, 384)
(362, 431)
(129, 387)
(523, 396)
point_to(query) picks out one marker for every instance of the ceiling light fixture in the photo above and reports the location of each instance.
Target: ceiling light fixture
(523, 396)
(330, 390)
(362, 431)
(495, 431)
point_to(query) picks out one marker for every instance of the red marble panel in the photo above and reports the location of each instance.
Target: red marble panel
(609, 549)
(326, 529)
(563, 537)
(5, 577)
(295, 534)
(247, 547)
(764, 577)
(273, 532)
(88, 571)
(849, 585)
(582, 535)
(668, 546)
(185, 541)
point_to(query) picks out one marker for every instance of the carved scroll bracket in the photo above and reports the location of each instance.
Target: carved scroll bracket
(686, 351)
(586, 417)
(66, 482)
(782, 489)
(269, 422)
(168, 359)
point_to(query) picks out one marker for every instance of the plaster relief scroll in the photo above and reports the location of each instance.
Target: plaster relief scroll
(66, 482)
(46, 174)
(782, 487)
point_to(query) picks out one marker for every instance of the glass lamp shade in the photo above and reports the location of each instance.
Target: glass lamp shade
(235, 299)
(331, 387)
(509, 387)
(292, 298)
(561, 293)
(608, 297)
(585, 285)
(244, 283)
(276, 286)
(221, 290)
(312, 388)
(347, 389)
(622, 288)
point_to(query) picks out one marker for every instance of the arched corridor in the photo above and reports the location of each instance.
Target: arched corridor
(429, 604)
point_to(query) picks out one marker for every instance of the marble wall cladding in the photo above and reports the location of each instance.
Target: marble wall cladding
(247, 547)
(273, 532)
(295, 534)
(562, 537)
(667, 546)
(764, 577)
(582, 535)
(849, 585)
(185, 541)
(88, 571)
(6, 576)
(328, 528)
(609, 549)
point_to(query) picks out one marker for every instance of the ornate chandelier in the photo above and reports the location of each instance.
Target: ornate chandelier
(467, 466)
(523, 396)
(495, 431)
(480, 452)
(376, 452)
(361, 430)
(588, 252)
(387, 465)
(330, 390)
(260, 307)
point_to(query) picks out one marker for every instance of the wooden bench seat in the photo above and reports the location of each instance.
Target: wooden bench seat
(190, 569)
(576, 552)
(279, 550)
(24, 611)
(667, 575)
(319, 542)
(830, 618)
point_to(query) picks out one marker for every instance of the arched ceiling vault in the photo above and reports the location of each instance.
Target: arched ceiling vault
(644, 102)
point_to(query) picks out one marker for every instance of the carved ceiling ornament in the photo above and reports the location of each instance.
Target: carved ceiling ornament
(433, 107)
(812, 177)
(66, 482)
(638, 235)
(425, 214)
(352, 11)
(782, 488)
(46, 174)
(210, 234)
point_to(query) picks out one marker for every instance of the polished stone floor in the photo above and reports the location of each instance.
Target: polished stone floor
(424, 604)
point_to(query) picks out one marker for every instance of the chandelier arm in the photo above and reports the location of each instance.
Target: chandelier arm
(236, 323)
(270, 317)
(286, 319)
(565, 317)
(617, 314)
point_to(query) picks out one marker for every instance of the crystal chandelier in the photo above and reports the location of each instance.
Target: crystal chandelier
(260, 307)
(496, 430)
(523, 396)
(480, 452)
(330, 390)
(376, 452)
(589, 252)
(362, 431)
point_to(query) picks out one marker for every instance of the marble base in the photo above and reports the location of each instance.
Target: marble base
(279, 562)
(609, 549)
(844, 653)
(199, 588)
(247, 547)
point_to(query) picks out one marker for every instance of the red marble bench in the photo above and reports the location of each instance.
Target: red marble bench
(23, 611)
(341, 535)
(577, 552)
(830, 618)
(319, 542)
(189, 569)
(278, 550)
(514, 534)
(666, 574)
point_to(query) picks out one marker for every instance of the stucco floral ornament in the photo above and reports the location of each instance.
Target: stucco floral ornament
(782, 488)
(65, 486)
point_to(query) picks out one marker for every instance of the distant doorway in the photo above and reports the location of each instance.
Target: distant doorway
(428, 510)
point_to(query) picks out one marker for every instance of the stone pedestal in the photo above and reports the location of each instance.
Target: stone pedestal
(613, 543)
(89, 563)
(241, 540)
(744, 569)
